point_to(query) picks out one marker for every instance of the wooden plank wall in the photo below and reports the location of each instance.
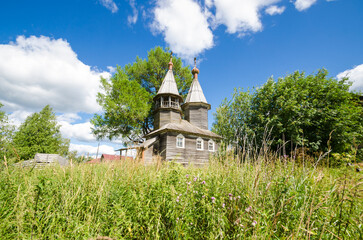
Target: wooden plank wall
(165, 116)
(197, 115)
(188, 154)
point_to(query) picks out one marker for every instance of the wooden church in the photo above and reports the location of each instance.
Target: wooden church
(180, 127)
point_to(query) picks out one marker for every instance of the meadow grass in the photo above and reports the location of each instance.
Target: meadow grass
(259, 200)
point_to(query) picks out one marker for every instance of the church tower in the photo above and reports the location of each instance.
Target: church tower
(196, 106)
(167, 101)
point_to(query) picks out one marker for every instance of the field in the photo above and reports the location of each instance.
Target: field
(280, 200)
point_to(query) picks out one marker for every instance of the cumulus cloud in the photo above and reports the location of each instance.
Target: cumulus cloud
(83, 149)
(302, 5)
(184, 26)
(274, 10)
(36, 71)
(356, 76)
(68, 117)
(188, 25)
(110, 5)
(241, 16)
(79, 131)
(16, 118)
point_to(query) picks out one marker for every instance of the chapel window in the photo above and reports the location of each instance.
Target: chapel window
(211, 145)
(199, 144)
(180, 141)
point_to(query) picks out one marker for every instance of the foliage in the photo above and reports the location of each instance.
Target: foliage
(314, 111)
(221, 201)
(126, 98)
(40, 133)
(6, 134)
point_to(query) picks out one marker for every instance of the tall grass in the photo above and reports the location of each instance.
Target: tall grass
(259, 200)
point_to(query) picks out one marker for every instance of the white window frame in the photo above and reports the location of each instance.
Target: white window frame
(201, 142)
(213, 145)
(180, 136)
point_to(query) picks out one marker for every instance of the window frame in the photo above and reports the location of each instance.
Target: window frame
(201, 144)
(213, 145)
(180, 136)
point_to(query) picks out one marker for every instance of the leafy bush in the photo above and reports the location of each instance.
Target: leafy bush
(314, 111)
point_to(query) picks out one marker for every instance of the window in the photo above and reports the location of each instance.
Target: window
(180, 141)
(199, 144)
(211, 145)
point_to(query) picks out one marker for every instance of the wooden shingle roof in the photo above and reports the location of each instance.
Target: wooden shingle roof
(169, 85)
(195, 94)
(184, 126)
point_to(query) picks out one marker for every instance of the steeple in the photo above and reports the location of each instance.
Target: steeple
(167, 100)
(196, 106)
(195, 93)
(169, 85)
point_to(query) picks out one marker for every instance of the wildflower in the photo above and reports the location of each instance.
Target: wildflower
(238, 197)
(189, 183)
(248, 209)
(254, 223)
(203, 182)
(203, 196)
(230, 194)
(177, 219)
(213, 199)
(230, 198)
(223, 205)
(187, 175)
(195, 179)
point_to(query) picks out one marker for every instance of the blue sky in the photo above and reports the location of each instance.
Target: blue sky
(53, 52)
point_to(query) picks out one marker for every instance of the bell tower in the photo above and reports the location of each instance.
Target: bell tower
(196, 106)
(167, 100)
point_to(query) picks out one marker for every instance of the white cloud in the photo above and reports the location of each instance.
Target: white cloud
(355, 75)
(83, 149)
(110, 5)
(241, 16)
(302, 5)
(184, 26)
(132, 19)
(68, 117)
(37, 71)
(273, 10)
(80, 131)
(16, 118)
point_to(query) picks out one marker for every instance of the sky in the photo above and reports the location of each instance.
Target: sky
(54, 52)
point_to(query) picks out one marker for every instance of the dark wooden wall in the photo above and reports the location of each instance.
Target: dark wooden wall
(197, 115)
(165, 116)
(188, 154)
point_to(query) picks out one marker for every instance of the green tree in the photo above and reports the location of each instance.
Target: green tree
(6, 134)
(40, 134)
(126, 99)
(314, 111)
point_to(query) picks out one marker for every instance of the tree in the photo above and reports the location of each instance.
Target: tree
(127, 98)
(6, 132)
(313, 111)
(40, 133)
